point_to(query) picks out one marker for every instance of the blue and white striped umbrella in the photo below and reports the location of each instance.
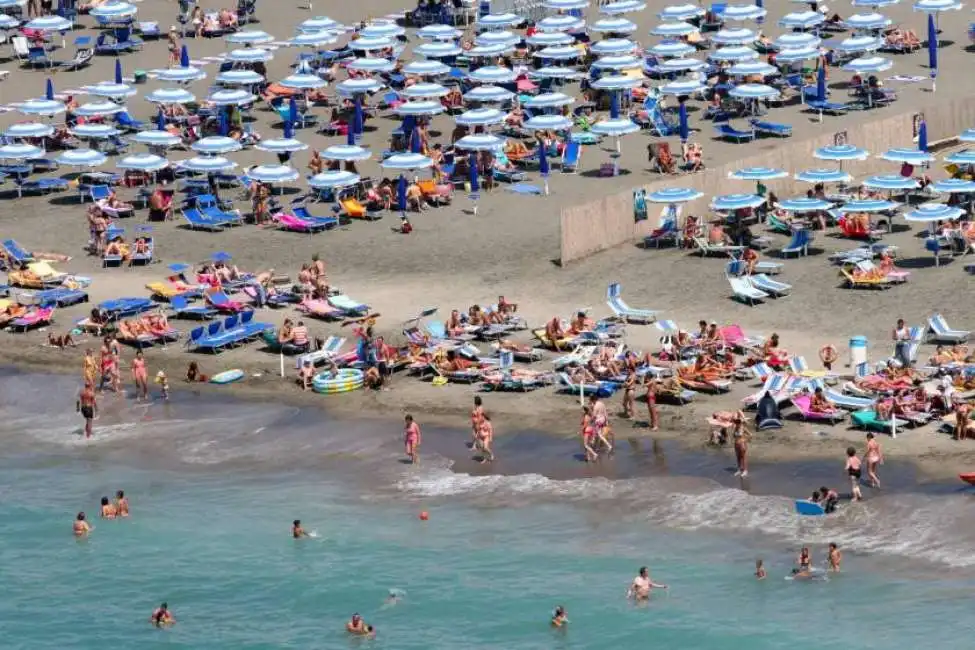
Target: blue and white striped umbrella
(171, 96)
(868, 64)
(548, 39)
(250, 55)
(281, 145)
(672, 48)
(740, 36)
(372, 43)
(907, 155)
(240, 78)
(333, 180)
(794, 40)
(145, 162)
(681, 65)
(424, 91)
(613, 26)
(49, 24)
(207, 164)
(437, 50)
(496, 38)
(966, 157)
(114, 10)
(824, 176)
(556, 72)
(111, 90)
(804, 204)
(249, 37)
(238, 97)
(968, 135)
(681, 88)
(419, 108)
(549, 100)
(797, 54)
(621, 62)
(406, 162)
(673, 29)
(672, 195)
(802, 20)
(492, 74)
(935, 6)
(729, 202)
(743, 12)
(382, 29)
(859, 44)
(754, 91)
(156, 138)
(563, 23)
(490, 51)
(953, 186)
(867, 21)
(841, 152)
(758, 174)
(20, 152)
(320, 23)
(480, 142)
(681, 12)
(559, 53)
(615, 127)
(617, 82)
(733, 54)
(874, 3)
(94, 131)
(499, 21)
(611, 46)
(480, 117)
(488, 94)
(548, 122)
(370, 64)
(439, 33)
(929, 212)
(565, 5)
(313, 39)
(180, 74)
(81, 158)
(216, 144)
(868, 205)
(29, 130)
(273, 174)
(346, 153)
(47, 107)
(752, 68)
(358, 86)
(8, 22)
(622, 7)
(891, 182)
(426, 68)
(98, 109)
(303, 82)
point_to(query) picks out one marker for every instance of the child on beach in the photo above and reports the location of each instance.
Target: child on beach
(854, 472)
(163, 382)
(760, 573)
(194, 375)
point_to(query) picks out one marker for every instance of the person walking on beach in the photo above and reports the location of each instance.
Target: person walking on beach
(600, 421)
(629, 385)
(411, 438)
(87, 405)
(477, 414)
(874, 456)
(485, 439)
(902, 341)
(140, 375)
(588, 433)
(741, 435)
(652, 410)
(854, 472)
(90, 368)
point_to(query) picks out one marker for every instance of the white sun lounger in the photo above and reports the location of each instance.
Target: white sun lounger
(746, 292)
(939, 332)
(624, 312)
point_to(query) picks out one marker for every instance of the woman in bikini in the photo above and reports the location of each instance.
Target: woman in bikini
(107, 365)
(819, 404)
(741, 436)
(485, 439)
(588, 433)
(874, 456)
(140, 375)
(854, 472)
(90, 368)
(653, 388)
(629, 385)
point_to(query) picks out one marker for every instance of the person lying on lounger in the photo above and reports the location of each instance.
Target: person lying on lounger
(11, 312)
(554, 332)
(581, 324)
(118, 248)
(819, 404)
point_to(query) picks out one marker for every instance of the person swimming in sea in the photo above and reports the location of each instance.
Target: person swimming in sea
(121, 504)
(81, 527)
(109, 511)
(161, 616)
(358, 627)
(559, 617)
(297, 531)
(835, 558)
(760, 573)
(804, 562)
(643, 585)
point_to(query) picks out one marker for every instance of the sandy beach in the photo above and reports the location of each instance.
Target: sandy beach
(454, 259)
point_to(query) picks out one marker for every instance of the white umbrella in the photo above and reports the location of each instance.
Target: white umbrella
(424, 91)
(303, 82)
(382, 29)
(371, 64)
(94, 131)
(249, 37)
(371, 43)
(333, 180)
(480, 117)
(157, 138)
(419, 108)
(207, 164)
(488, 94)
(406, 162)
(111, 90)
(49, 24)
(98, 109)
(548, 122)
(320, 24)
(216, 144)
(145, 162)
(480, 142)
(426, 68)
(281, 145)
(81, 158)
(20, 152)
(250, 55)
(240, 78)
(273, 174)
(346, 152)
(171, 96)
(313, 39)
(236, 97)
(180, 74)
(29, 130)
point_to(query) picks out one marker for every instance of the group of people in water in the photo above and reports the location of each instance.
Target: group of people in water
(117, 509)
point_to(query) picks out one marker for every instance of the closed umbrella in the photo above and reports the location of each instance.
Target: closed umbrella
(160, 120)
(118, 72)
(401, 194)
(293, 115)
(685, 131)
(821, 84)
(49, 90)
(543, 167)
(358, 119)
(922, 136)
(932, 52)
(472, 165)
(614, 105)
(223, 127)
(184, 57)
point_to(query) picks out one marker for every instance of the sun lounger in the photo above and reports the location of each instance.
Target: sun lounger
(772, 287)
(353, 209)
(319, 309)
(38, 317)
(745, 292)
(219, 300)
(199, 221)
(864, 283)
(294, 223)
(801, 240)
(764, 127)
(348, 307)
(624, 312)
(329, 350)
(232, 331)
(849, 402)
(599, 389)
(168, 291)
(802, 403)
(182, 308)
(125, 307)
(667, 232)
(17, 253)
(302, 213)
(833, 108)
(728, 132)
(578, 357)
(939, 332)
(867, 419)
(571, 156)
(707, 248)
(896, 277)
(60, 297)
(774, 383)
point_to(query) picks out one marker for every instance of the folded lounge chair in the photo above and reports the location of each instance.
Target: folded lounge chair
(745, 292)
(939, 332)
(624, 312)
(772, 287)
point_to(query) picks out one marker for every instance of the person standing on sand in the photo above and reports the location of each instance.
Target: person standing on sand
(854, 472)
(477, 415)
(741, 434)
(90, 368)
(652, 411)
(87, 406)
(140, 375)
(874, 456)
(629, 385)
(485, 439)
(411, 438)
(116, 349)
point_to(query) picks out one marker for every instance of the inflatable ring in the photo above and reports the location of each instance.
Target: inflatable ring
(828, 354)
(346, 380)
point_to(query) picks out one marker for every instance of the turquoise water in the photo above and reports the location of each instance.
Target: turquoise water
(209, 533)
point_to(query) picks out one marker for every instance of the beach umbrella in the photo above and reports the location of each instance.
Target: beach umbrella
(382, 29)
(802, 20)
(754, 91)
(968, 135)
(543, 168)
(548, 123)
(47, 107)
(496, 38)
(930, 7)
(922, 136)
(681, 65)
(615, 127)
(562, 23)
(333, 180)
(620, 62)
(874, 3)
(616, 82)
(794, 40)
(671, 49)
(234, 97)
(871, 21)
(558, 53)
(907, 155)
(681, 88)
(171, 96)
(49, 24)
(419, 108)
(94, 131)
(240, 78)
(932, 52)
(499, 21)
(319, 24)
(966, 157)
(740, 36)
(758, 174)
(488, 94)
(114, 10)
(285, 144)
(622, 7)
(556, 72)
(249, 37)
(216, 144)
(424, 91)
(406, 162)
(20, 152)
(683, 128)
(207, 164)
(797, 54)
(731, 202)
(674, 29)
(98, 109)
(49, 89)
(868, 205)
(891, 182)
(821, 84)
(953, 186)
(480, 142)
(358, 86)
(437, 50)
(313, 38)
(426, 68)
(492, 74)
(490, 51)
(733, 54)
(358, 117)
(743, 12)
(841, 152)
(613, 26)
(116, 91)
(182, 74)
(804, 204)
(856, 44)
(868, 64)
(29, 130)
(145, 162)
(824, 176)
(674, 195)
(250, 55)
(549, 39)
(346, 153)
(752, 68)
(119, 78)
(371, 43)
(565, 5)
(549, 100)
(81, 158)
(221, 256)
(681, 12)
(439, 33)
(930, 212)
(7, 21)
(370, 64)
(273, 174)
(480, 117)
(157, 138)
(184, 57)
(472, 177)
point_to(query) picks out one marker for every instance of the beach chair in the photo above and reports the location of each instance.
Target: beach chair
(772, 287)
(37, 56)
(801, 239)
(353, 209)
(764, 266)
(868, 420)
(16, 253)
(570, 157)
(849, 402)
(706, 248)
(939, 247)
(894, 277)
(82, 57)
(302, 213)
(939, 331)
(38, 317)
(199, 221)
(863, 283)
(802, 402)
(329, 350)
(59, 297)
(764, 127)
(601, 389)
(624, 312)
(347, 306)
(216, 298)
(728, 132)
(666, 233)
(745, 292)
(294, 223)
(832, 108)
(774, 384)
(125, 307)
(182, 308)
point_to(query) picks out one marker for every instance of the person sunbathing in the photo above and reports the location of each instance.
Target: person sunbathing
(717, 235)
(60, 341)
(554, 332)
(516, 150)
(158, 324)
(582, 375)
(118, 248)
(455, 324)
(12, 312)
(819, 404)
(414, 197)
(227, 18)
(581, 324)
(515, 118)
(693, 154)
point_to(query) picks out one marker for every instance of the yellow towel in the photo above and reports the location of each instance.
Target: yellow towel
(42, 270)
(4, 303)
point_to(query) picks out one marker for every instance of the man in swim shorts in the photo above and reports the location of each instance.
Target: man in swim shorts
(358, 627)
(87, 406)
(642, 585)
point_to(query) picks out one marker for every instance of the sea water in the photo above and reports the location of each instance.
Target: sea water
(214, 486)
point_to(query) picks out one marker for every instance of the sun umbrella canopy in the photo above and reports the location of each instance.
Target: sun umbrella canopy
(419, 108)
(216, 144)
(802, 20)
(558, 53)
(207, 164)
(734, 54)
(145, 162)
(549, 100)
(489, 51)
(29, 130)
(372, 43)
(681, 88)
(824, 176)
(613, 26)
(250, 55)
(424, 91)
(616, 82)
(929, 212)
(563, 23)
(874, 3)
(480, 117)
(860, 44)
(795, 40)
(565, 5)
(867, 21)
(496, 38)
(20, 152)
(439, 33)
(382, 29)
(758, 174)
(94, 131)
(937, 6)
(237, 97)
(81, 158)
(907, 155)
(621, 62)
(313, 38)
(406, 162)
(672, 48)
(495, 21)
(968, 135)
(966, 157)
(98, 109)
(273, 174)
(841, 152)
(795, 55)
(489, 94)
(371, 64)
(953, 186)
(622, 7)
(240, 78)
(754, 91)
(156, 138)
(891, 182)
(681, 12)
(674, 195)
(249, 37)
(181, 74)
(333, 180)
(681, 65)
(111, 90)
(678, 28)
(320, 23)
(868, 205)
(346, 153)
(740, 36)
(426, 68)
(480, 142)
(868, 64)
(751, 68)
(49, 24)
(556, 72)
(437, 50)
(171, 96)
(615, 127)
(728, 202)
(281, 145)
(548, 122)
(358, 86)
(804, 204)
(114, 10)
(8, 22)
(492, 74)
(743, 12)
(546, 39)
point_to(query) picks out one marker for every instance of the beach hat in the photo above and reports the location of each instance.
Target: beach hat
(172, 28)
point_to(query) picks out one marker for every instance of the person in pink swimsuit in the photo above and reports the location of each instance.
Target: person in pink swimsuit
(140, 375)
(411, 437)
(874, 456)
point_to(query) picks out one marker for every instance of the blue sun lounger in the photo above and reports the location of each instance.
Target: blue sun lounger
(183, 309)
(728, 132)
(20, 255)
(833, 108)
(219, 335)
(325, 222)
(764, 127)
(801, 239)
(60, 297)
(599, 388)
(124, 307)
(199, 221)
(40, 186)
(348, 306)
